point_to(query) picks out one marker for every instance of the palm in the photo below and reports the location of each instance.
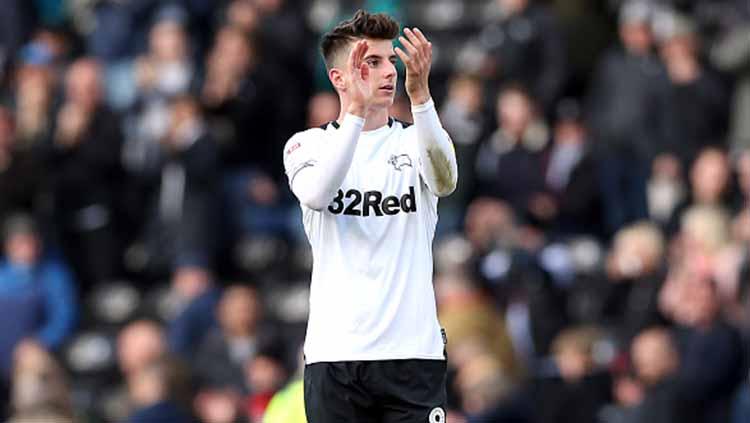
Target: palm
(359, 73)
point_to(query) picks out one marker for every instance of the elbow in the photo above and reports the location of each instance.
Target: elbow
(315, 201)
(447, 189)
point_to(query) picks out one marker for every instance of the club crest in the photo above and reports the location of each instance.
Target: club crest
(400, 161)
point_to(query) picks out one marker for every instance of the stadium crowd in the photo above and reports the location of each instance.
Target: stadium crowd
(593, 264)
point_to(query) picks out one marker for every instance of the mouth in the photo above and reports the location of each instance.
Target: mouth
(387, 88)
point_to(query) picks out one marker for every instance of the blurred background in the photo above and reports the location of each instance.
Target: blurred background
(592, 265)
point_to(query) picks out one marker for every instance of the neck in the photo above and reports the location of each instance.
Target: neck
(374, 119)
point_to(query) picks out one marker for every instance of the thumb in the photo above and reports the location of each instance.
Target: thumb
(364, 71)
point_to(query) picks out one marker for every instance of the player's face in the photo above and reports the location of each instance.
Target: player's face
(382, 62)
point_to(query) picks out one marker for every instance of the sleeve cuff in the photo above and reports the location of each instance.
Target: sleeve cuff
(419, 108)
(354, 119)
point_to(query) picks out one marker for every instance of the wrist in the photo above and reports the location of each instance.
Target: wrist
(357, 109)
(419, 97)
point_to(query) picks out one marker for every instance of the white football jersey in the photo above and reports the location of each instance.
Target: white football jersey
(371, 296)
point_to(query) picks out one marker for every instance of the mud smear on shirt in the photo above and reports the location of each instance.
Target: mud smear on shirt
(442, 168)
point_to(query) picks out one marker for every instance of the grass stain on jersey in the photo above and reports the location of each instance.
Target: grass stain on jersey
(442, 168)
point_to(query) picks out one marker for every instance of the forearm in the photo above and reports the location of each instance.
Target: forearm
(436, 152)
(316, 184)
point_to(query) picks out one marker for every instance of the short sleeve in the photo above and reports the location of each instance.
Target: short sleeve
(299, 153)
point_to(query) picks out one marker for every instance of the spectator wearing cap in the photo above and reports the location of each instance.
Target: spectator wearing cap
(36, 290)
(625, 116)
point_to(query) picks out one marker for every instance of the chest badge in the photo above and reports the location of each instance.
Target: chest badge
(400, 161)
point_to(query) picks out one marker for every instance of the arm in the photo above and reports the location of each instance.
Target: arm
(436, 153)
(437, 156)
(314, 176)
(60, 307)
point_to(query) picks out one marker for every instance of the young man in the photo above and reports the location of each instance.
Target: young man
(368, 186)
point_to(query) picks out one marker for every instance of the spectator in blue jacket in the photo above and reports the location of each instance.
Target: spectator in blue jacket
(37, 293)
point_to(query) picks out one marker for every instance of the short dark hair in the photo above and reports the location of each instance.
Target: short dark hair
(363, 24)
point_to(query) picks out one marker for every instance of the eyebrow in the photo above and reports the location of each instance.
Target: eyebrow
(378, 56)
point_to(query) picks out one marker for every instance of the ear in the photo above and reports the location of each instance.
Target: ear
(337, 79)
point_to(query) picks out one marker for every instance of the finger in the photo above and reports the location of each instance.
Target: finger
(425, 42)
(404, 57)
(413, 52)
(421, 36)
(416, 42)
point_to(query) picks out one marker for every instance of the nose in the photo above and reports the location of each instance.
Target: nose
(390, 71)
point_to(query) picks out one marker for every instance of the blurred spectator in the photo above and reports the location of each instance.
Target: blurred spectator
(160, 74)
(139, 344)
(40, 389)
(634, 272)
(156, 392)
(711, 350)
(34, 94)
(36, 289)
(219, 406)
(710, 184)
(581, 389)
(696, 103)
(483, 387)
(265, 375)
(21, 174)
(195, 297)
(473, 324)
(571, 203)
(83, 156)
(322, 108)
(463, 118)
(656, 362)
(625, 116)
(182, 193)
(241, 336)
(509, 162)
(525, 43)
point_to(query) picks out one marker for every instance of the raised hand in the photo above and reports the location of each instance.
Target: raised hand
(418, 62)
(358, 84)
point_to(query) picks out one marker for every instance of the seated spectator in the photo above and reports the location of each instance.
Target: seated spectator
(656, 363)
(195, 296)
(157, 393)
(40, 389)
(36, 289)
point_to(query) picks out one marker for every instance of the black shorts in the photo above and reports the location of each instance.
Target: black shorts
(385, 391)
